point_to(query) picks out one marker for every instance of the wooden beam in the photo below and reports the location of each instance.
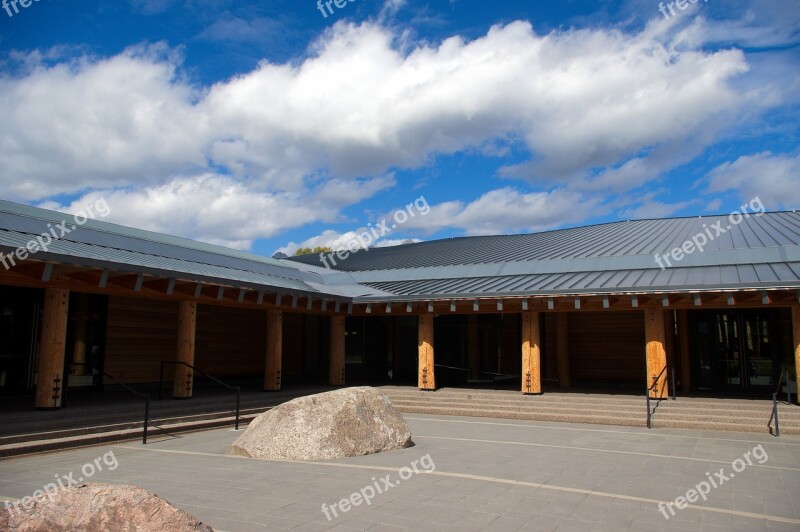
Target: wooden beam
(655, 339)
(562, 350)
(531, 353)
(336, 366)
(426, 378)
(274, 356)
(183, 381)
(683, 350)
(50, 376)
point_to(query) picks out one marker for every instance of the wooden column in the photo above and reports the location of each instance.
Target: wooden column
(272, 364)
(531, 353)
(655, 340)
(336, 360)
(796, 335)
(683, 350)
(183, 382)
(562, 350)
(427, 378)
(50, 377)
(473, 348)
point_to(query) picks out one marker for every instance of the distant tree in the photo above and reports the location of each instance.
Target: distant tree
(316, 249)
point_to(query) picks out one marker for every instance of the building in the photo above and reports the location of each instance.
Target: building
(615, 305)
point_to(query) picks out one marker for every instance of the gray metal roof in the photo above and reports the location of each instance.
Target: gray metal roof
(760, 252)
(757, 252)
(118, 248)
(617, 239)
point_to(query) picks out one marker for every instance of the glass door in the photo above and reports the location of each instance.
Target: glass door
(757, 349)
(741, 350)
(728, 352)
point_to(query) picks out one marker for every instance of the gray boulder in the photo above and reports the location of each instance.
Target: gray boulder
(346, 422)
(97, 506)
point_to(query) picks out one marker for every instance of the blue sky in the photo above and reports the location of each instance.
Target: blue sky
(265, 125)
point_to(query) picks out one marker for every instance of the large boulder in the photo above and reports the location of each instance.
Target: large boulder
(346, 422)
(96, 506)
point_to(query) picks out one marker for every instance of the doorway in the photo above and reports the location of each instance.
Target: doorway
(738, 352)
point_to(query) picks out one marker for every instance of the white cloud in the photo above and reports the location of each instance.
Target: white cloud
(580, 99)
(209, 208)
(288, 144)
(771, 177)
(118, 121)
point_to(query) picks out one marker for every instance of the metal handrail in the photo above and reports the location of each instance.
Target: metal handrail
(178, 363)
(788, 386)
(775, 402)
(139, 394)
(652, 387)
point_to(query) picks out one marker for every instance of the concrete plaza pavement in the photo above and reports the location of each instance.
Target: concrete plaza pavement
(483, 474)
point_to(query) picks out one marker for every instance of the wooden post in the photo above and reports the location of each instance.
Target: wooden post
(655, 338)
(336, 367)
(531, 353)
(683, 349)
(796, 334)
(50, 377)
(427, 378)
(562, 350)
(473, 348)
(272, 364)
(183, 382)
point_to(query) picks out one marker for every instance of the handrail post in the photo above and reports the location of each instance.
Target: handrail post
(788, 388)
(146, 418)
(238, 397)
(775, 414)
(672, 371)
(649, 424)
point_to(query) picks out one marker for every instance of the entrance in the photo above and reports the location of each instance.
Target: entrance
(738, 351)
(19, 324)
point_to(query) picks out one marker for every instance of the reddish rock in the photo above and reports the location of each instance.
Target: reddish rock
(96, 506)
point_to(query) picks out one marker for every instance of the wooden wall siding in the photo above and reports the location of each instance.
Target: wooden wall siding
(230, 341)
(796, 341)
(607, 347)
(549, 348)
(139, 335)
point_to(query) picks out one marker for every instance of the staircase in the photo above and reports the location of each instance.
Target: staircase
(740, 415)
(112, 417)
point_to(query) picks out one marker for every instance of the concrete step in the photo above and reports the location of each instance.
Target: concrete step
(109, 427)
(57, 441)
(605, 418)
(674, 407)
(575, 399)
